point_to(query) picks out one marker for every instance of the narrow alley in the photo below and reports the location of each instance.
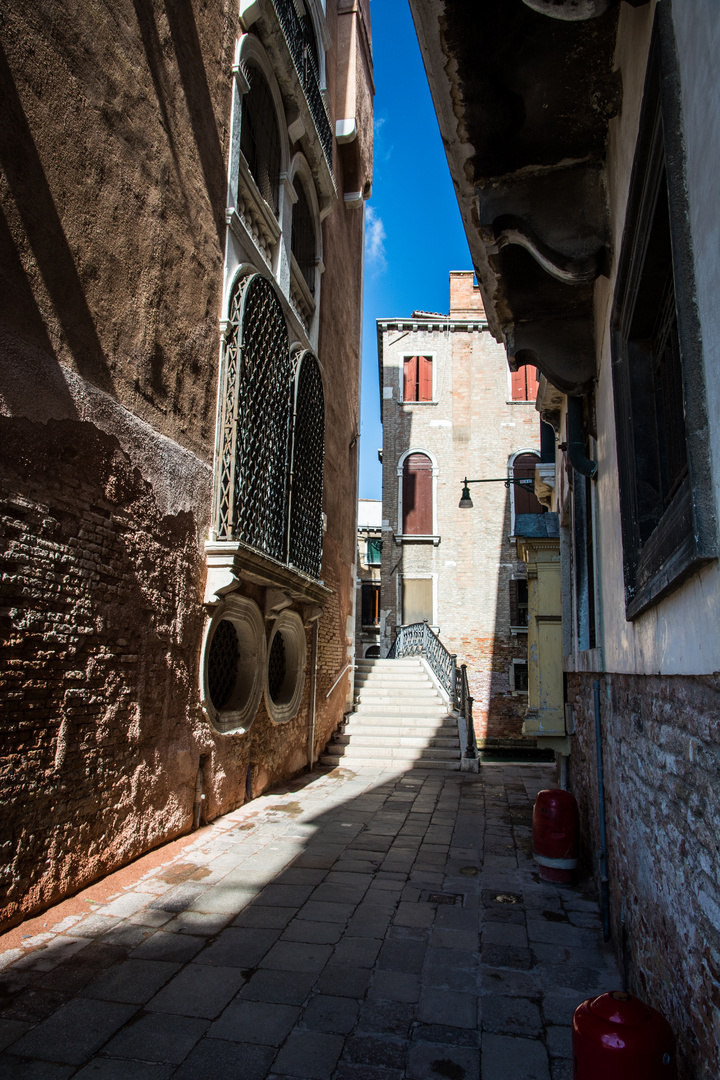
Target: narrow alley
(351, 925)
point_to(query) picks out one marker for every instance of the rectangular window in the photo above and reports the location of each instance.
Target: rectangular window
(373, 551)
(370, 610)
(417, 600)
(524, 383)
(417, 378)
(519, 677)
(657, 362)
(518, 602)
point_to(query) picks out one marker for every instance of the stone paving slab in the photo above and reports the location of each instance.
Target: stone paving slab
(348, 926)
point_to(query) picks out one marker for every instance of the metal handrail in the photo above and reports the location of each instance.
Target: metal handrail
(419, 639)
(307, 72)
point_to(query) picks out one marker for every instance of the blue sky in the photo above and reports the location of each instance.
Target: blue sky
(414, 235)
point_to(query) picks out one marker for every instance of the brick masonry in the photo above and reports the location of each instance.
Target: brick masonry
(472, 429)
(661, 739)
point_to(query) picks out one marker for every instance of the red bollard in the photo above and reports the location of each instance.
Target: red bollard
(555, 835)
(618, 1037)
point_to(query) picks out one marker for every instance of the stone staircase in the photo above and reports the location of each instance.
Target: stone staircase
(400, 721)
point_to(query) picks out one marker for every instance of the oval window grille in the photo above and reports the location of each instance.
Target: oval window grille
(277, 668)
(223, 664)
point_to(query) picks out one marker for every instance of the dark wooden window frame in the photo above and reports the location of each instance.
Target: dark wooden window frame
(370, 603)
(685, 536)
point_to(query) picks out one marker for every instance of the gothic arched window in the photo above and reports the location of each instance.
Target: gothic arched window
(260, 136)
(417, 495)
(302, 240)
(308, 451)
(255, 425)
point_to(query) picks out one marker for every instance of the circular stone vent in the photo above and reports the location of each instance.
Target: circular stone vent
(286, 667)
(233, 665)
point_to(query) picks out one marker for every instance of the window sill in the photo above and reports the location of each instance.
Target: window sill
(433, 402)
(230, 561)
(407, 538)
(515, 630)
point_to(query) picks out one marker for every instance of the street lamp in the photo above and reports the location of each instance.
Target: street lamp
(466, 502)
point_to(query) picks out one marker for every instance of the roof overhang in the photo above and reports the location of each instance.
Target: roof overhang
(523, 98)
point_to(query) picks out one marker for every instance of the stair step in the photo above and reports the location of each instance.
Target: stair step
(412, 740)
(395, 753)
(336, 760)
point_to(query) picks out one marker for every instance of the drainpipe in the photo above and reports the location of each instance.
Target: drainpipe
(311, 734)
(199, 797)
(604, 883)
(576, 439)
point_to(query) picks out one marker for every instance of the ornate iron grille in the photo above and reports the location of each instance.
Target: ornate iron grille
(263, 421)
(302, 241)
(305, 547)
(301, 50)
(225, 497)
(277, 666)
(260, 138)
(223, 663)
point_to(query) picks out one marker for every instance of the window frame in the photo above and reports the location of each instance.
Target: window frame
(685, 536)
(401, 536)
(429, 358)
(511, 473)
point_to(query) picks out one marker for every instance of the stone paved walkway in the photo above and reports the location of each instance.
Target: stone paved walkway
(351, 926)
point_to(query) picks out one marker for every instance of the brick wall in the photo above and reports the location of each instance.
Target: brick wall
(661, 753)
(471, 430)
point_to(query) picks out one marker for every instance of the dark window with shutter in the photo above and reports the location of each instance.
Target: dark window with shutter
(417, 511)
(518, 588)
(524, 499)
(417, 378)
(584, 559)
(302, 240)
(524, 383)
(520, 678)
(658, 372)
(370, 609)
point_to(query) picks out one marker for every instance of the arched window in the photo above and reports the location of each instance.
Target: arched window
(255, 421)
(417, 495)
(302, 241)
(260, 137)
(306, 491)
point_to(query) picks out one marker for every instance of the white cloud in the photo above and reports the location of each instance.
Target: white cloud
(374, 241)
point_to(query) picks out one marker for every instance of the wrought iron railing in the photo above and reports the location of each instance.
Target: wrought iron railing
(307, 72)
(418, 639)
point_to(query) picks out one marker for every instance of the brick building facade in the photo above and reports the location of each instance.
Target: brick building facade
(368, 597)
(450, 409)
(182, 226)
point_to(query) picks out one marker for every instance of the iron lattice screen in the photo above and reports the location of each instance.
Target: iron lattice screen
(307, 474)
(264, 421)
(225, 496)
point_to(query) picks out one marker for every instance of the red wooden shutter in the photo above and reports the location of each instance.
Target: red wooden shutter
(425, 379)
(417, 495)
(519, 387)
(533, 381)
(410, 378)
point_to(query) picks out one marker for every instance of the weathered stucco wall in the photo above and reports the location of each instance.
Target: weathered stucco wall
(661, 751)
(678, 634)
(112, 242)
